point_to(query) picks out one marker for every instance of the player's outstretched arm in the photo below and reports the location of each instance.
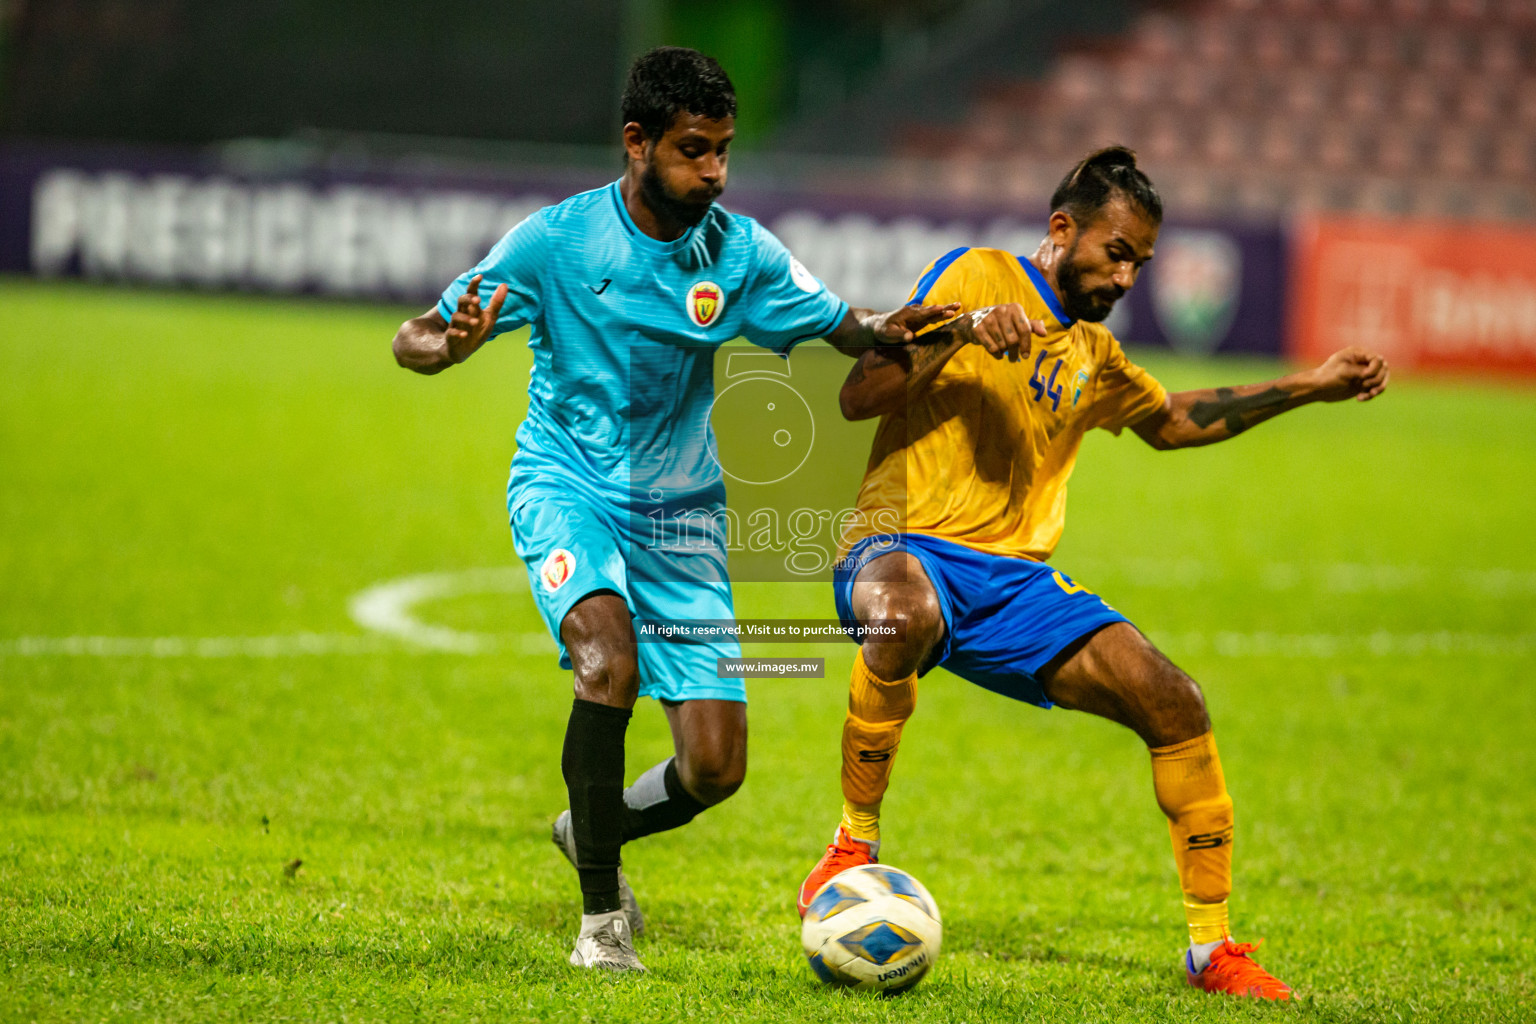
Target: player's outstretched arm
(864, 329)
(1191, 418)
(884, 379)
(430, 344)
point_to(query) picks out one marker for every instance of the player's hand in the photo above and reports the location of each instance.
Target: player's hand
(900, 326)
(471, 325)
(1004, 330)
(1351, 373)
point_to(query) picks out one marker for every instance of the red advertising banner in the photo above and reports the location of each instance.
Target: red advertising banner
(1444, 296)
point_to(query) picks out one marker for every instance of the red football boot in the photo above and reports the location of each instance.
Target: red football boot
(844, 852)
(1232, 972)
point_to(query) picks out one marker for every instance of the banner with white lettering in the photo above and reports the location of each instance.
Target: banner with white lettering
(183, 219)
(1440, 296)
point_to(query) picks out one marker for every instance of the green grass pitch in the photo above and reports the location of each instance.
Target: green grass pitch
(193, 488)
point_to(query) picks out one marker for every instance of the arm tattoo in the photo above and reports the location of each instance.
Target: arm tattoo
(1228, 406)
(857, 374)
(873, 359)
(923, 354)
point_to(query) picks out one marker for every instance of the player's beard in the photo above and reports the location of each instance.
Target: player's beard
(687, 211)
(1077, 302)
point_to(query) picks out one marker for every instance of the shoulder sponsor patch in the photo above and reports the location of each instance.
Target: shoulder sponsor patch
(557, 569)
(705, 301)
(804, 279)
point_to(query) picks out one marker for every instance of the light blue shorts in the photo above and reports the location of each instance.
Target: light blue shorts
(574, 544)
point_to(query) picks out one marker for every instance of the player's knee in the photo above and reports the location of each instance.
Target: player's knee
(712, 775)
(607, 677)
(601, 646)
(921, 623)
(1180, 713)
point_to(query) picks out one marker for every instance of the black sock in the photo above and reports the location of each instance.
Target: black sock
(593, 766)
(657, 801)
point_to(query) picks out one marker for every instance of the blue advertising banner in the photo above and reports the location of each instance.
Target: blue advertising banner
(181, 218)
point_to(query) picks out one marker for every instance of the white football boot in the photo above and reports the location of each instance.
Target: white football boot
(564, 837)
(605, 943)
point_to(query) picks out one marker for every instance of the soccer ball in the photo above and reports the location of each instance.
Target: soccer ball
(872, 927)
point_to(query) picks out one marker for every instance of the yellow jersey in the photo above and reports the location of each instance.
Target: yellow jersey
(983, 455)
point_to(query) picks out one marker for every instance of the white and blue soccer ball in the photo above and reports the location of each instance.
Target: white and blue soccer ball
(872, 927)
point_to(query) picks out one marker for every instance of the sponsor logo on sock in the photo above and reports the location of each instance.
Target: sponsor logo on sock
(877, 755)
(1208, 840)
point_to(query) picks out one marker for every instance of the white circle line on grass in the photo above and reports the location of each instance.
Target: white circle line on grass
(387, 610)
(390, 607)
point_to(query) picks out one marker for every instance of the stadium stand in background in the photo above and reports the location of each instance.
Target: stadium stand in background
(1268, 107)
(1262, 108)
(1335, 171)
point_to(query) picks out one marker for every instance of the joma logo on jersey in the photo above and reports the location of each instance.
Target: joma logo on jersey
(705, 301)
(557, 569)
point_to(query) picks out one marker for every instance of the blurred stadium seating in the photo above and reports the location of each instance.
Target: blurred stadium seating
(1390, 107)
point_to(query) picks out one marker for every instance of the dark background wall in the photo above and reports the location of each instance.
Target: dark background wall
(199, 71)
(811, 75)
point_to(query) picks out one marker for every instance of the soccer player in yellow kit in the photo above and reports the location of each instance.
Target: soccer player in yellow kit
(963, 503)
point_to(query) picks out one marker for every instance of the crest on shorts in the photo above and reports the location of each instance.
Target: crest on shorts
(557, 569)
(705, 301)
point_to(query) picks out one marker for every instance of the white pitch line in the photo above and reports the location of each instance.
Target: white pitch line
(1377, 644)
(281, 646)
(388, 611)
(1324, 577)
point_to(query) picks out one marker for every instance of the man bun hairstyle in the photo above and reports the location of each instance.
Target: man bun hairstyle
(671, 80)
(1101, 176)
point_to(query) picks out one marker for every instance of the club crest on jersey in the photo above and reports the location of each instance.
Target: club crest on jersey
(557, 569)
(705, 301)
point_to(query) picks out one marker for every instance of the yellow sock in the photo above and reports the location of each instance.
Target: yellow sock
(871, 733)
(1192, 792)
(862, 821)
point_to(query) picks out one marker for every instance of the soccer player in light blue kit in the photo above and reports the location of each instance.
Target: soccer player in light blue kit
(629, 289)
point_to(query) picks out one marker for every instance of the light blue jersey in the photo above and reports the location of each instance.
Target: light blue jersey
(624, 332)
